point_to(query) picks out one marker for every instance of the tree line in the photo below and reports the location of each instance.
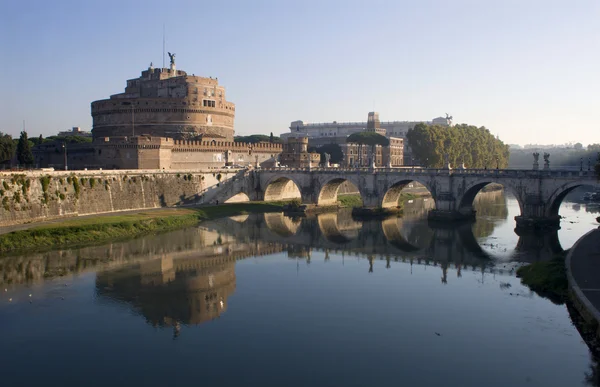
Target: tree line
(21, 148)
(474, 146)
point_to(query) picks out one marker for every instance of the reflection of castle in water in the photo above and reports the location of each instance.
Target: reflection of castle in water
(409, 237)
(169, 292)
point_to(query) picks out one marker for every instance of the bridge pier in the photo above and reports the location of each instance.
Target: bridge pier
(535, 215)
(447, 209)
(526, 222)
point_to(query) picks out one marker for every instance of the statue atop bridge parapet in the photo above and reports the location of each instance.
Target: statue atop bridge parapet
(546, 160)
(536, 157)
(327, 158)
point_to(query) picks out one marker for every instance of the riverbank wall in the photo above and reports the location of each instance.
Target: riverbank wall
(583, 274)
(39, 195)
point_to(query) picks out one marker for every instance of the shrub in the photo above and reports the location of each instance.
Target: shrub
(5, 203)
(76, 187)
(61, 196)
(45, 180)
(5, 185)
(92, 182)
(17, 197)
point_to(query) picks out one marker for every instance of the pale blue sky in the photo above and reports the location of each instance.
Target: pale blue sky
(527, 69)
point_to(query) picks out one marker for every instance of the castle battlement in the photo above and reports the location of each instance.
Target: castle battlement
(214, 145)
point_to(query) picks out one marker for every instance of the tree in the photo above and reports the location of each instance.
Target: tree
(7, 148)
(24, 154)
(476, 147)
(334, 150)
(254, 138)
(40, 140)
(578, 146)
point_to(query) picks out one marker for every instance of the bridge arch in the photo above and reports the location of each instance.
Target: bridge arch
(328, 194)
(558, 195)
(468, 197)
(392, 195)
(282, 188)
(238, 198)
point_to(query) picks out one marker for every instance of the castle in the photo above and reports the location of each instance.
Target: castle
(165, 119)
(166, 103)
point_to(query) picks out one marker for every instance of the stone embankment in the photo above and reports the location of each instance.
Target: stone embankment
(40, 195)
(583, 273)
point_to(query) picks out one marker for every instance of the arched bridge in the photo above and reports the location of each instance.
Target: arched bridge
(539, 192)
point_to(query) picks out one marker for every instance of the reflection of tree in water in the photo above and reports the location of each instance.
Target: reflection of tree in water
(592, 209)
(490, 207)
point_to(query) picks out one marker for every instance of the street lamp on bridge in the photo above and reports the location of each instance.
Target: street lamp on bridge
(64, 146)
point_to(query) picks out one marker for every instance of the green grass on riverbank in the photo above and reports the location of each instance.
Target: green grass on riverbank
(350, 200)
(548, 279)
(90, 230)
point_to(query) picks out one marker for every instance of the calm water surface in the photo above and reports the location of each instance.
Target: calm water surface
(268, 300)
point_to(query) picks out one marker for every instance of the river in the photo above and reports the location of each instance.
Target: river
(276, 301)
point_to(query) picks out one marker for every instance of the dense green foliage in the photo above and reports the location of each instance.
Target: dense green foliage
(254, 138)
(368, 138)
(7, 148)
(70, 139)
(476, 147)
(548, 279)
(334, 150)
(24, 154)
(350, 200)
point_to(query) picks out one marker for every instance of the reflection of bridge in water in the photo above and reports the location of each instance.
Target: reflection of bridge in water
(403, 237)
(185, 277)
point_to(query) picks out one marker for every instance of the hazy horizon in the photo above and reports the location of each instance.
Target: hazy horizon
(525, 70)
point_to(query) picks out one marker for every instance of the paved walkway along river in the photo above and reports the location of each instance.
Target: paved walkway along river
(583, 268)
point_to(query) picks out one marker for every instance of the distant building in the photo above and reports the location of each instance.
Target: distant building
(384, 156)
(295, 153)
(335, 132)
(75, 132)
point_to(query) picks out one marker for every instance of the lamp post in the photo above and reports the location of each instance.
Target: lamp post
(64, 146)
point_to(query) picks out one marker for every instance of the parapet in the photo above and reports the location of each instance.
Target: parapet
(214, 145)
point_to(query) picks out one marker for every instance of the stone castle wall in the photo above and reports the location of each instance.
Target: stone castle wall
(36, 196)
(144, 152)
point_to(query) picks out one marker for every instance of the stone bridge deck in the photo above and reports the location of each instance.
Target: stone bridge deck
(538, 192)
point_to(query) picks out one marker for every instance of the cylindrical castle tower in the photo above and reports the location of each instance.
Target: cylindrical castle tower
(166, 103)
